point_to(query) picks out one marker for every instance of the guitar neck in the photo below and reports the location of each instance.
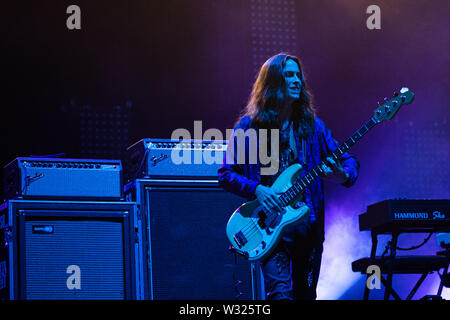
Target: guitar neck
(312, 175)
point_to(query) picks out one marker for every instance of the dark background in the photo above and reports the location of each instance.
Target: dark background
(141, 69)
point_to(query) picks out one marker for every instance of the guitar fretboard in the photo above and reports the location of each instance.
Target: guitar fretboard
(312, 175)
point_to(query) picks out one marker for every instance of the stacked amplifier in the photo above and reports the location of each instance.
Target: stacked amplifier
(87, 229)
(185, 212)
(67, 231)
(50, 178)
(184, 159)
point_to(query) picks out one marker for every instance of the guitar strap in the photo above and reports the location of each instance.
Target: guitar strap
(303, 151)
(302, 160)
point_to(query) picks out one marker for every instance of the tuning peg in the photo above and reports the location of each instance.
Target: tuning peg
(404, 89)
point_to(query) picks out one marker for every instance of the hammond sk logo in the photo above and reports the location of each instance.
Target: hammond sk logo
(438, 215)
(411, 215)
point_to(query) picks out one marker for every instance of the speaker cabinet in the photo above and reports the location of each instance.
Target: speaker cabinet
(69, 250)
(186, 254)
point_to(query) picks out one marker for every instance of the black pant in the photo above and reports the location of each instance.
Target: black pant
(292, 270)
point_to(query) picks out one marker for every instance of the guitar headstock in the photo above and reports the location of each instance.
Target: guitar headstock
(388, 110)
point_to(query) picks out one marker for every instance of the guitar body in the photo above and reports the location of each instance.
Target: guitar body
(253, 232)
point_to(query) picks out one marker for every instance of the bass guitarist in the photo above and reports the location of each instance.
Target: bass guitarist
(280, 100)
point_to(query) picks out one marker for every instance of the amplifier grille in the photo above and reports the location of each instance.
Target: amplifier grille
(189, 247)
(95, 246)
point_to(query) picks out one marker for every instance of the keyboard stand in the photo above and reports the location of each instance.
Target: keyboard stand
(393, 264)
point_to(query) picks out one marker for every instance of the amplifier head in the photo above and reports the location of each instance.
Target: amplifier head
(62, 178)
(178, 159)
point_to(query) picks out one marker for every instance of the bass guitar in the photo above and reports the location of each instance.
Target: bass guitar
(254, 231)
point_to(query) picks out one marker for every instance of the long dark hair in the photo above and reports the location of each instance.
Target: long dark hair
(268, 96)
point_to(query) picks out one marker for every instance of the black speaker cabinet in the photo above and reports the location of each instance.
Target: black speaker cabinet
(68, 250)
(187, 252)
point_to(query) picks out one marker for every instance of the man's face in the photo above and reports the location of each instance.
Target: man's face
(292, 78)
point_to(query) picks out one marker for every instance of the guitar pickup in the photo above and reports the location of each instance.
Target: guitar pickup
(240, 239)
(261, 223)
(262, 215)
(262, 218)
